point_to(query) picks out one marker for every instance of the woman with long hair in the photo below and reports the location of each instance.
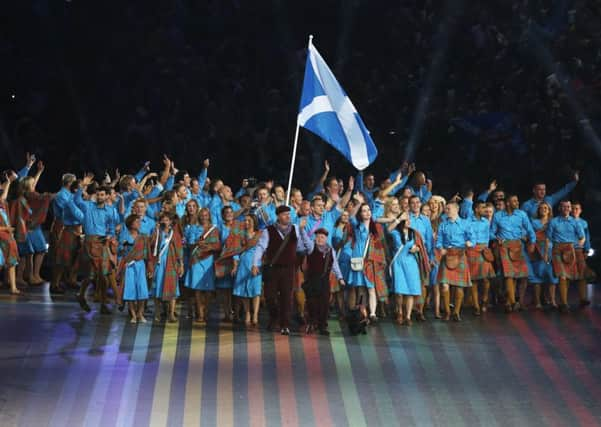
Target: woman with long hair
(404, 269)
(540, 258)
(367, 277)
(246, 286)
(200, 276)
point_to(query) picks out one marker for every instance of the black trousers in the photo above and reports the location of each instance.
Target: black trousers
(278, 293)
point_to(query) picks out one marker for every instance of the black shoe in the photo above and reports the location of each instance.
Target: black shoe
(324, 332)
(105, 310)
(56, 290)
(309, 329)
(564, 308)
(83, 304)
(584, 303)
(285, 331)
(121, 307)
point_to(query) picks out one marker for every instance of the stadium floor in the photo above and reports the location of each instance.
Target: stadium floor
(62, 367)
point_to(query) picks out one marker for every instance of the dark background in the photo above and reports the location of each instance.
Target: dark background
(109, 84)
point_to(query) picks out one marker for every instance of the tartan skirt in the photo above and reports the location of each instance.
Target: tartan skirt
(68, 247)
(479, 267)
(334, 283)
(96, 257)
(584, 272)
(10, 251)
(458, 276)
(513, 268)
(564, 269)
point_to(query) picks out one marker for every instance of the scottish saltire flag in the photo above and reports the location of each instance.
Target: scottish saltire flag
(327, 111)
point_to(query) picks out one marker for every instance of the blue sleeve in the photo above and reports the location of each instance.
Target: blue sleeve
(439, 237)
(483, 196)
(528, 226)
(359, 181)
(155, 192)
(22, 173)
(550, 230)
(261, 247)
(579, 231)
(466, 209)
(587, 244)
(140, 175)
(396, 240)
(555, 198)
(424, 194)
(202, 178)
(170, 182)
(80, 202)
(241, 192)
(493, 227)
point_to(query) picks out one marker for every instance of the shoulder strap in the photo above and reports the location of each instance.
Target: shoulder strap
(282, 246)
(366, 245)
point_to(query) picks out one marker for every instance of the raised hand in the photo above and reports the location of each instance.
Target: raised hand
(29, 160)
(492, 186)
(40, 166)
(326, 166)
(351, 183)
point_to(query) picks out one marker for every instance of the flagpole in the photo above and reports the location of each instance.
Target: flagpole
(294, 148)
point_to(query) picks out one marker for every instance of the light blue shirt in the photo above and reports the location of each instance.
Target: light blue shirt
(422, 224)
(512, 227)
(584, 225)
(564, 230)
(480, 230)
(453, 234)
(97, 221)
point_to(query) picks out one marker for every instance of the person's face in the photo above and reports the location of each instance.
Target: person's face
(218, 185)
(305, 208)
(297, 198)
(113, 196)
(451, 210)
(262, 195)
(385, 183)
(165, 223)
(481, 209)
(514, 203)
(539, 190)
(129, 184)
(195, 186)
(426, 211)
(280, 194)
(489, 212)
(186, 180)
(365, 213)
(395, 206)
(245, 202)
(191, 208)
(415, 205)
(370, 181)
(249, 224)
(226, 191)
(421, 178)
(135, 226)
(407, 192)
(576, 211)
(333, 187)
(433, 207)
(321, 239)
(499, 204)
(543, 210)
(404, 204)
(499, 195)
(139, 209)
(182, 193)
(205, 216)
(228, 215)
(318, 207)
(344, 217)
(565, 208)
(284, 218)
(340, 186)
(101, 197)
